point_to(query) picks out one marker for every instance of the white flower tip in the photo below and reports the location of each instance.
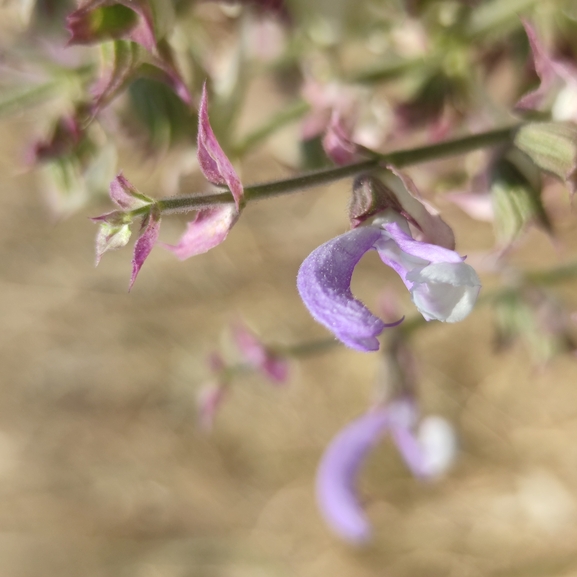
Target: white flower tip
(439, 443)
(445, 291)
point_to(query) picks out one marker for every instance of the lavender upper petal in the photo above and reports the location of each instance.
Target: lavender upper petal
(324, 283)
(337, 473)
(422, 250)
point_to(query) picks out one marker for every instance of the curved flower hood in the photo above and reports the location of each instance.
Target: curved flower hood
(442, 286)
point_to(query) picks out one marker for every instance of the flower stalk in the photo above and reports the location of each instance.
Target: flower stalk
(399, 159)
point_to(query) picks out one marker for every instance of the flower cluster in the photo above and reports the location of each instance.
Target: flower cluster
(210, 226)
(254, 356)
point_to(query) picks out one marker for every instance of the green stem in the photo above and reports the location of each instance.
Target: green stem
(554, 275)
(454, 147)
(399, 159)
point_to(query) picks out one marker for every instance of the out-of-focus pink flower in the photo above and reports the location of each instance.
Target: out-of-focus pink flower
(267, 38)
(338, 141)
(209, 400)
(558, 81)
(270, 7)
(478, 206)
(324, 100)
(258, 356)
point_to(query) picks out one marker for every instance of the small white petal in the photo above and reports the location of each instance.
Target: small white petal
(565, 105)
(439, 443)
(445, 291)
(453, 273)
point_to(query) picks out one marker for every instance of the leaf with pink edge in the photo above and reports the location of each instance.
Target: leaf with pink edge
(545, 69)
(338, 143)
(210, 227)
(125, 195)
(214, 163)
(146, 241)
(142, 21)
(124, 61)
(432, 228)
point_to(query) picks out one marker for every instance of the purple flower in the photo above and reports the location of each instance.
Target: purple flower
(427, 454)
(442, 286)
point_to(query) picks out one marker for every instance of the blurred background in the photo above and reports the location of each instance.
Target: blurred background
(103, 468)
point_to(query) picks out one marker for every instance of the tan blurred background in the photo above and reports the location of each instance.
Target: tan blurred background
(103, 471)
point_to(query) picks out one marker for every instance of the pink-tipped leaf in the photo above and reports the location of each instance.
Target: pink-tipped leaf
(210, 227)
(214, 163)
(146, 241)
(125, 195)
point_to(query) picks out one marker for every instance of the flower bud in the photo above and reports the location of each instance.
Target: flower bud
(552, 146)
(370, 196)
(114, 232)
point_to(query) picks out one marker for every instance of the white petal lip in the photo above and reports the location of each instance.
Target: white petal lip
(439, 443)
(445, 291)
(453, 273)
